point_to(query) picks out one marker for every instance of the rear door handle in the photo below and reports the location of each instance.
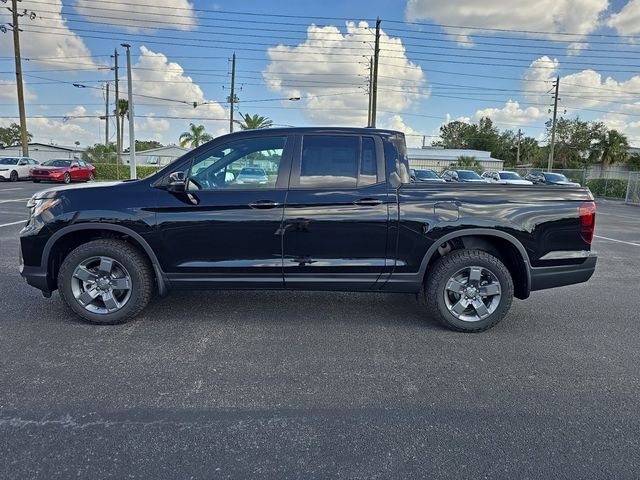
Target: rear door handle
(369, 202)
(264, 204)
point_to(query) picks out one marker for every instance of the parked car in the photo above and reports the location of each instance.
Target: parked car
(505, 177)
(548, 178)
(427, 176)
(341, 214)
(464, 176)
(16, 168)
(65, 171)
(252, 175)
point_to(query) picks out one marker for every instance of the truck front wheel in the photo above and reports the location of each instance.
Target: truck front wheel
(106, 281)
(468, 290)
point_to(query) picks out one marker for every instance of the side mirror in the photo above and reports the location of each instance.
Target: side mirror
(177, 182)
(394, 180)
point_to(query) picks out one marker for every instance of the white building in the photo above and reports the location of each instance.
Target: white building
(156, 156)
(43, 152)
(439, 158)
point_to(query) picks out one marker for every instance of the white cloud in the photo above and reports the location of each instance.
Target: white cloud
(624, 124)
(137, 15)
(154, 75)
(332, 84)
(396, 122)
(9, 91)
(47, 35)
(554, 16)
(59, 132)
(510, 114)
(627, 20)
(584, 89)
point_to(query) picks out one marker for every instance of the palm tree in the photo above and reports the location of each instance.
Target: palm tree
(614, 147)
(468, 162)
(254, 122)
(195, 137)
(122, 110)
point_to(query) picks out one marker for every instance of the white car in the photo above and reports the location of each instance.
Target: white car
(505, 177)
(16, 168)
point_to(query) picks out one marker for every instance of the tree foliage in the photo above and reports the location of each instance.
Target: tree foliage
(10, 136)
(195, 136)
(468, 162)
(253, 122)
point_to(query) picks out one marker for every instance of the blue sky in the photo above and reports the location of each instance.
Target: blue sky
(460, 59)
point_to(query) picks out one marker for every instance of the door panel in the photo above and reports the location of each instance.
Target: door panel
(335, 237)
(225, 230)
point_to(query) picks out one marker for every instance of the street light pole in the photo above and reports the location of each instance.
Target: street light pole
(132, 137)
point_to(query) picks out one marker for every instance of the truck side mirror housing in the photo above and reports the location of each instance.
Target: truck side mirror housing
(394, 180)
(177, 183)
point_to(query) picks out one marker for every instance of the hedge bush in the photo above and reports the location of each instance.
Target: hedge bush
(108, 171)
(608, 187)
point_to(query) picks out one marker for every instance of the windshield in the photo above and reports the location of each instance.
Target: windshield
(8, 161)
(468, 175)
(57, 163)
(510, 176)
(426, 174)
(556, 177)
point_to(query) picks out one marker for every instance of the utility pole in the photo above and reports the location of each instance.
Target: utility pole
(553, 125)
(232, 97)
(518, 154)
(106, 117)
(370, 90)
(118, 145)
(24, 136)
(376, 55)
(132, 136)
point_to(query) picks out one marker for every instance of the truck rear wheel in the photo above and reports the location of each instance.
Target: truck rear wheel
(106, 281)
(468, 290)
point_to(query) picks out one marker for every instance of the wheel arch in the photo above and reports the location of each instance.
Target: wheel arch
(512, 253)
(55, 246)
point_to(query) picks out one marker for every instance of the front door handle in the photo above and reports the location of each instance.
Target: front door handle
(368, 202)
(264, 204)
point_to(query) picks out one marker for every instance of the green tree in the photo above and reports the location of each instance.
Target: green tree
(10, 136)
(100, 153)
(576, 142)
(254, 122)
(122, 111)
(195, 136)
(613, 147)
(455, 134)
(633, 162)
(529, 149)
(468, 162)
(142, 145)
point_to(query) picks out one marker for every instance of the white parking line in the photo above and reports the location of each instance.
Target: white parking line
(619, 241)
(12, 223)
(9, 189)
(16, 200)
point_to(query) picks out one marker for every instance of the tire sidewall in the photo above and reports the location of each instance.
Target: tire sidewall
(484, 260)
(13, 176)
(121, 255)
(66, 178)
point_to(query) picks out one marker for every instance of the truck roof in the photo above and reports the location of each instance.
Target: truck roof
(310, 130)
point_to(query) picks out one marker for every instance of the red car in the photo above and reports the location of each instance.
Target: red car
(65, 171)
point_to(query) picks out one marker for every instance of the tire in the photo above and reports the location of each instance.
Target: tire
(458, 282)
(127, 264)
(91, 177)
(66, 178)
(13, 176)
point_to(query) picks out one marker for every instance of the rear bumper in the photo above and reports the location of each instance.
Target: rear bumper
(558, 276)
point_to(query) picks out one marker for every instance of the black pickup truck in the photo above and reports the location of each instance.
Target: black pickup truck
(328, 209)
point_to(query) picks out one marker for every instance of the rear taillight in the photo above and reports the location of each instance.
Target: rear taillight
(587, 220)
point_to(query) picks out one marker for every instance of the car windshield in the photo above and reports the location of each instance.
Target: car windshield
(468, 175)
(510, 176)
(8, 161)
(252, 171)
(556, 177)
(57, 163)
(426, 174)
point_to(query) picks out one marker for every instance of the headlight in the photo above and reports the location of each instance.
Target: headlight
(40, 205)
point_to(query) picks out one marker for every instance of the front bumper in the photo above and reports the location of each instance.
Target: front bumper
(37, 277)
(558, 276)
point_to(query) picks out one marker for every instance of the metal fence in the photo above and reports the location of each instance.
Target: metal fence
(633, 189)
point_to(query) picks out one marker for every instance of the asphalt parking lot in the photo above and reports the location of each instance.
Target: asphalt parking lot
(324, 385)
